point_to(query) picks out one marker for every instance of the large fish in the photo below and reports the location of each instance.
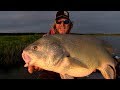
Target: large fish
(71, 56)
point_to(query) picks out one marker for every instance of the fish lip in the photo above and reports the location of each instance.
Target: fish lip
(26, 58)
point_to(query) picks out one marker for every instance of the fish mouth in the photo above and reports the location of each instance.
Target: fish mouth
(26, 58)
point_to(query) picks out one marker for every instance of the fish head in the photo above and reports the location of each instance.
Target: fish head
(44, 53)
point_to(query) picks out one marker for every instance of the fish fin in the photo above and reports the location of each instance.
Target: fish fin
(109, 72)
(65, 76)
(77, 63)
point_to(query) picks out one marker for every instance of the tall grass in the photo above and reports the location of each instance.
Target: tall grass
(11, 47)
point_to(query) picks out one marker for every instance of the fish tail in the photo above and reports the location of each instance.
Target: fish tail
(109, 72)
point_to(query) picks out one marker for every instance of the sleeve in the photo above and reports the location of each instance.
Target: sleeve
(52, 31)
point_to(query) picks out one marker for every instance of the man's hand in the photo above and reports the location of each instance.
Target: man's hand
(31, 69)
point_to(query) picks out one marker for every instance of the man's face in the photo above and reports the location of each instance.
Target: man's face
(62, 25)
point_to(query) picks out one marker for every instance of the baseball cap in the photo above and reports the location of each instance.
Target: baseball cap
(62, 14)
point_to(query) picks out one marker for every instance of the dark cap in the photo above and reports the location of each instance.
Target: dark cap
(62, 14)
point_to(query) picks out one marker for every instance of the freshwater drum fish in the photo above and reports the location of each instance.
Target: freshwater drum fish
(71, 56)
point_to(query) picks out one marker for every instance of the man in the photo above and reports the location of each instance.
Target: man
(62, 24)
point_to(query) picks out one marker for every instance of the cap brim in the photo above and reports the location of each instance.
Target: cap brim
(62, 17)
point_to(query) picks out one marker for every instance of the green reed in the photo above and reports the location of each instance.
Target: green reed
(11, 47)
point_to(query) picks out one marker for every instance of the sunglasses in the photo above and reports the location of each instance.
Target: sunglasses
(65, 22)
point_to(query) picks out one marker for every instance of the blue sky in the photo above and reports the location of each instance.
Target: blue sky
(41, 21)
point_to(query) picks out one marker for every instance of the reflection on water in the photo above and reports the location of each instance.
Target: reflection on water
(22, 73)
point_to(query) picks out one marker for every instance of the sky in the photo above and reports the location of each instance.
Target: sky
(41, 21)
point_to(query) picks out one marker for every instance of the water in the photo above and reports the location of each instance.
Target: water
(22, 73)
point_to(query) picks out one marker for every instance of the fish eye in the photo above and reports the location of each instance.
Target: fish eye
(34, 48)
